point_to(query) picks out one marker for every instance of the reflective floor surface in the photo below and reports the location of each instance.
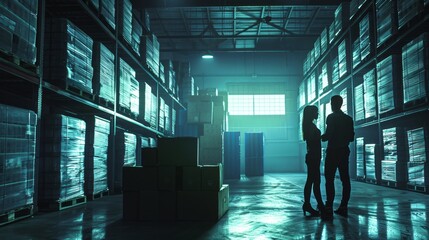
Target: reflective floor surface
(266, 207)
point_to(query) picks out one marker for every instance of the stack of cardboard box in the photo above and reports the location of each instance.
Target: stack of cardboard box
(171, 185)
(208, 111)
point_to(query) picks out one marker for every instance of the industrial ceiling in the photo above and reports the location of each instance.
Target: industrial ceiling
(239, 25)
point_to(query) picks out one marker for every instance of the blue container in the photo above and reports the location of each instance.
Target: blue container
(231, 155)
(254, 154)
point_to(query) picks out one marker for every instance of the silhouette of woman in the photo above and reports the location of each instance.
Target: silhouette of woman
(311, 135)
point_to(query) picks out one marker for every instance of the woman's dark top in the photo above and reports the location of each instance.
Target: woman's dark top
(314, 144)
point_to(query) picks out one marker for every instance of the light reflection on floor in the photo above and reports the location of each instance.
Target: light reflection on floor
(262, 208)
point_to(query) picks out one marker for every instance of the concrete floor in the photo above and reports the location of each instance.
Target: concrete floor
(266, 207)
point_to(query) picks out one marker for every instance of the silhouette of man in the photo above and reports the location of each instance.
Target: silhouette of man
(339, 133)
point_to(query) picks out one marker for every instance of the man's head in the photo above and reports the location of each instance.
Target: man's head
(336, 103)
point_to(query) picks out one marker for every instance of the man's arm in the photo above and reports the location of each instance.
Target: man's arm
(328, 130)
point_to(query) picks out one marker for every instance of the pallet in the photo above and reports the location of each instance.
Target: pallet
(360, 179)
(417, 188)
(16, 214)
(369, 180)
(388, 183)
(415, 103)
(9, 57)
(104, 102)
(60, 205)
(127, 112)
(79, 92)
(98, 195)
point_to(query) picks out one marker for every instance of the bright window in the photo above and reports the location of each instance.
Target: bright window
(269, 104)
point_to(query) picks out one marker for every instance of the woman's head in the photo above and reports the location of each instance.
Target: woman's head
(311, 113)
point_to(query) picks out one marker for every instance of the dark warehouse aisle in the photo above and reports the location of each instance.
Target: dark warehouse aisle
(266, 207)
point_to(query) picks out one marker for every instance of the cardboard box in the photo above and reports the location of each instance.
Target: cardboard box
(167, 178)
(181, 151)
(139, 178)
(212, 129)
(149, 205)
(130, 203)
(167, 205)
(190, 178)
(212, 177)
(211, 141)
(150, 157)
(202, 205)
(211, 156)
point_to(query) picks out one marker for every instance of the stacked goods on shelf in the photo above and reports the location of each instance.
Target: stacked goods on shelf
(392, 168)
(331, 32)
(130, 141)
(231, 155)
(311, 87)
(323, 79)
(149, 52)
(407, 10)
(167, 116)
(254, 154)
(126, 150)
(417, 165)
(97, 142)
(187, 88)
(62, 168)
(107, 11)
(183, 79)
(335, 70)
(342, 59)
(68, 55)
(137, 32)
(146, 91)
(173, 121)
(306, 66)
(172, 185)
(344, 107)
(128, 88)
(415, 68)
(18, 148)
(370, 162)
(125, 27)
(370, 101)
(323, 41)
(169, 75)
(359, 103)
(385, 80)
(18, 29)
(364, 40)
(317, 49)
(301, 95)
(340, 17)
(104, 72)
(360, 158)
(356, 53)
(161, 114)
(386, 20)
(354, 7)
(162, 73)
(154, 114)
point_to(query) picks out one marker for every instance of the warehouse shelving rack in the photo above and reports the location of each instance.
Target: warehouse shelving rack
(403, 116)
(23, 85)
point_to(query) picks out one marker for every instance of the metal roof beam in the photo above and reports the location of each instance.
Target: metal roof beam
(312, 20)
(232, 3)
(238, 36)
